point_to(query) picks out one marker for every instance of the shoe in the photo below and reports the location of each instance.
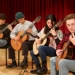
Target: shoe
(12, 65)
(33, 71)
(36, 70)
(24, 63)
(43, 70)
(39, 71)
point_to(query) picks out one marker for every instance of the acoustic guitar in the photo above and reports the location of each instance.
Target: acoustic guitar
(67, 53)
(1, 31)
(43, 38)
(23, 36)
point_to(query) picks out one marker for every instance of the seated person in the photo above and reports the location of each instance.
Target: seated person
(65, 65)
(4, 35)
(23, 25)
(49, 49)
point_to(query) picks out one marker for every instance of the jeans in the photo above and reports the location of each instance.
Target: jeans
(3, 42)
(43, 52)
(65, 65)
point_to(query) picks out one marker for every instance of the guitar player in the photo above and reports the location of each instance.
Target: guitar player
(46, 50)
(27, 44)
(5, 36)
(65, 65)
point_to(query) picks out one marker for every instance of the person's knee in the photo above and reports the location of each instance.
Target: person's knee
(24, 43)
(61, 62)
(52, 59)
(40, 48)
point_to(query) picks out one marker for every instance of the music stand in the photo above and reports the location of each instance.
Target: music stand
(23, 70)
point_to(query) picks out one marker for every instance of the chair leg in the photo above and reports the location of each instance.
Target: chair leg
(6, 57)
(18, 58)
(32, 63)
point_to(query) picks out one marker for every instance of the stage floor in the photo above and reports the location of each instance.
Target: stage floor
(16, 71)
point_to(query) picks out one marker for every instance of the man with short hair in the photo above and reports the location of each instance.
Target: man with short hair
(65, 65)
(4, 35)
(23, 25)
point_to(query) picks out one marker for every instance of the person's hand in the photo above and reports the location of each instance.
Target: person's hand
(38, 41)
(9, 27)
(72, 38)
(53, 32)
(59, 52)
(16, 38)
(29, 30)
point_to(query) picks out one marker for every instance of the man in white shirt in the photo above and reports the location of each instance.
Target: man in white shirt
(23, 25)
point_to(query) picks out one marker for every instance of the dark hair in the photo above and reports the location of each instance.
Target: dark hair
(53, 19)
(2, 16)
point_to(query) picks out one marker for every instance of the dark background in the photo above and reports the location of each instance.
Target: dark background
(34, 8)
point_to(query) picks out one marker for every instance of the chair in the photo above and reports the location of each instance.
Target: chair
(6, 48)
(19, 59)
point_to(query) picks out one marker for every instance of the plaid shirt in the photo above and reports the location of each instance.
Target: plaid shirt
(65, 39)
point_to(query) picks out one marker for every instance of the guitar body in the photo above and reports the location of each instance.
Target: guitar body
(68, 53)
(35, 45)
(1, 35)
(17, 44)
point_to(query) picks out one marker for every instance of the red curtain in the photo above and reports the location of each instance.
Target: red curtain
(34, 8)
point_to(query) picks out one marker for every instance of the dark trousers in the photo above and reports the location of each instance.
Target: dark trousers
(26, 46)
(43, 52)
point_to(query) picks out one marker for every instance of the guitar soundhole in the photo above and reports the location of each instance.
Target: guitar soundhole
(70, 53)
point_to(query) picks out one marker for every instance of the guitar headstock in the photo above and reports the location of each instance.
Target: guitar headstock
(59, 23)
(15, 22)
(37, 19)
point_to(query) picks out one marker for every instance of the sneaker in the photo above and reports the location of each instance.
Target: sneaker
(12, 65)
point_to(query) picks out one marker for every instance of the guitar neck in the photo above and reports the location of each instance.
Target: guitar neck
(48, 33)
(7, 27)
(26, 30)
(45, 36)
(66, 46)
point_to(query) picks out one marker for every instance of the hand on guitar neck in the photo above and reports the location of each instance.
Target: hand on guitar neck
(72, 38)
(9, 27)
(53, 32)
(29, 30)
(59, 52)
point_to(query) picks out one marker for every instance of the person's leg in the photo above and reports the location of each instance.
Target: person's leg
(12, 57)
(3, 43)
(46, 51)
(53, 66)
(26, 46)
(37, 62)
(65, 66)
(43, 52)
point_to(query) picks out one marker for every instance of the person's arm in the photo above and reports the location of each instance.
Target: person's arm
(14, 32)
(10, 27)
(34, 31)
(58, 37)
(41, 32)
(61, 43)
